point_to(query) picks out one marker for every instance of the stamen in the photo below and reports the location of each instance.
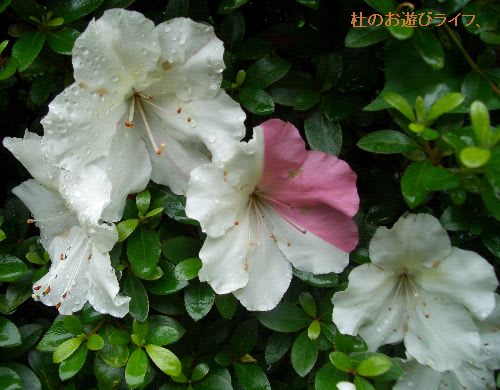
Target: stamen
(32, 220)
(285, 218)
(158, 151)
(147, 97)
(130, 122)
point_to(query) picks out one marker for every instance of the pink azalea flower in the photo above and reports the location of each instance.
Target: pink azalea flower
(271, 206)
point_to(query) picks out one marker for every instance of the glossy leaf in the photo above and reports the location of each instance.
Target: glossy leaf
(73, 364)
(136, 368)
(139, 304)
(286, 317)
(27, 48)
(251, 377)
(304, 354)
(9, 334)
(166, 360)
(143, 251)
(323, 134)
(256, 101)
(62, 41)
(11, 268)
(66, 349)
(198, 299)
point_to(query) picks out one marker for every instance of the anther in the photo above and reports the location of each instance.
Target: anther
(130, 122)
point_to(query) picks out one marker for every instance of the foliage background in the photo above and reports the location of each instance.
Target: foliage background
(298, 60)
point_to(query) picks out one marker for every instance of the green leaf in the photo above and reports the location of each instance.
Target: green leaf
(95, 342)
(136, 368)
(11, 268)
(304, 354)
(314, 4)
(168, 283)
(56, 334)
(199, 372)
(492, 170)
(429, 47)
(256, 101)
(163, 330)
(125, 228)
(218, 378)
(181, 248)
(29, 380)
(324, 280)
(329, 70)
(444, 104)
(314, 330)
(118, 337)
(439, 179)
(341, 361)
(70, 366)
(174, 206)
(251, 376)
(265, 72)
(139, 304)
(286, 317)
(177, 8)
(362, 37)
(114, 355)
(9, 334)
(8, 69)
(71, 10)
(107, 377)
(244, 338)
(166, 361)
(226, 6)
(66, 349)
(142, 201)
(327, 378)
(198, 299)
(232, 31)
(401, 104)
(140, 329)
(30, 333)
(374, 366)
(387, 142)
(226, 305)
(4, 4)
(298, 98)
(474, 157)
(143, 251)
(188, 269)
(73, 325)
(308, 304)
(277, 346)
(412, 186)
(62, 41)
(27, 48)
(9, 379)
(362, 384)
(323, 134)
(480, 118)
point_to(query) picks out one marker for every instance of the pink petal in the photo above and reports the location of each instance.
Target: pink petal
(309, 188)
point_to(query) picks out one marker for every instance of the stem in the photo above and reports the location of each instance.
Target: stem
(96, 329)
(475, 67)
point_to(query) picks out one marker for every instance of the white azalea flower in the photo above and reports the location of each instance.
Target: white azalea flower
(81, 269)
(146, 103)
(270, 206)
(476, 375)
(421, 290)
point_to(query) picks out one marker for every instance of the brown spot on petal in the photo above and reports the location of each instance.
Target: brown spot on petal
(179, 110)
(236, 223)
(82, 85)
(36, 288)
(129, 124)
(102, 91)
(189, 119)
(46, 291)
(166, 65)
(65, 294)
(58, 305)
(294, 172)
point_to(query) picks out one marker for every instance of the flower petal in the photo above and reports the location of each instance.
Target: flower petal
(269, 273)
(87, 192)
(441, 334)
(489, 332)
(48, 207)
(117, 52)
(80, 126)
(65, 285)
(213, 201)
(371, 306)
(192, 58)
(304, 249)
(414, 240)
(28, 151)
(466, 278)
(224, 259)
(103, 286)
(418, 377)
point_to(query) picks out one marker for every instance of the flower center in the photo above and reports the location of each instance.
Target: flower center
(137, 99)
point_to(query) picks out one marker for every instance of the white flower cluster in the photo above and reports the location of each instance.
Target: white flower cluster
(146, 105)
(438, 299)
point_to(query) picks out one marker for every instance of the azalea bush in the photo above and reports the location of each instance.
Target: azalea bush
(250, 195)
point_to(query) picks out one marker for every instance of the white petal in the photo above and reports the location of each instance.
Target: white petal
(28, 151)
(269, 273)
(418, 377)
(468, 377)
(213, 201)
(80, 126)
(466, 278)
(489, 332)
(413, 241)
(118, 52)
(345, 386)
(305, 250)
(441, 334)
(66, 285)
(372, 306)
(224, 259)
(103, 286)
(104, 236)
(218, 122)
(216, 195)
(191, 58)
(48, 207)
(127, 167)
